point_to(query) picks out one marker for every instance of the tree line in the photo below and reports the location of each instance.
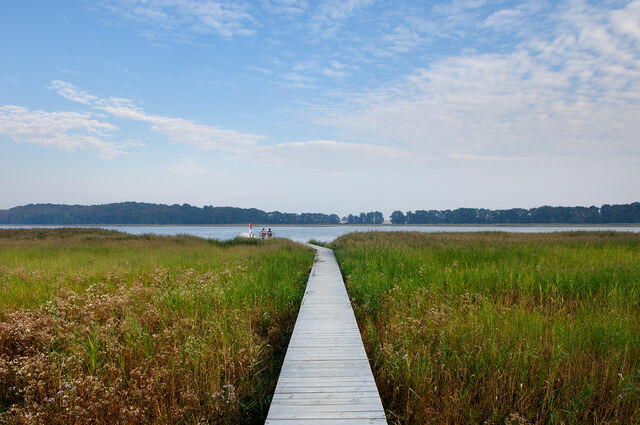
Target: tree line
(621, 213)
(373, 217)
(146, 213)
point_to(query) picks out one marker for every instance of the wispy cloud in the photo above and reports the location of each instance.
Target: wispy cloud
(575, 91)
(69, 91)
(260, 69)
(402, 39)
(287, 8)
(337, 70)
(179, 130)
(341, 9)
(472, 23)
(458, 17)
(165, 18)
(63, 130)
(306, 74)
(90, 130)
(318, 155)
(298, 80)
(458, 7)
(331, 15)
(518, 19)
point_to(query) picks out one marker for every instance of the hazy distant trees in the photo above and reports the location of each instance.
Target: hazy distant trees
(398, 217)
(623, 213)
(145, 213)
(373, 217)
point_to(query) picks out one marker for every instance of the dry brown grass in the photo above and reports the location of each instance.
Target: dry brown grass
(193, 332)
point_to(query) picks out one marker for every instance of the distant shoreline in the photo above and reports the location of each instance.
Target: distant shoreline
(255, 225)
(147, 214)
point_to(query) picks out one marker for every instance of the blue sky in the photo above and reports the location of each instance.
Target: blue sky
(332, 106)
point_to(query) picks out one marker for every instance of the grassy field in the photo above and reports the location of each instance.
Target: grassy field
(104, 327)
(496, 328)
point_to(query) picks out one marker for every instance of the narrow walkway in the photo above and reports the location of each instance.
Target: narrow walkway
(326, 377)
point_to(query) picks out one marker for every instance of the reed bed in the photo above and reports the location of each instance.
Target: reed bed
(497, 328)
(104, 327)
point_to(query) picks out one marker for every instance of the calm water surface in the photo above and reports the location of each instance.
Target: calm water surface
(329, 233)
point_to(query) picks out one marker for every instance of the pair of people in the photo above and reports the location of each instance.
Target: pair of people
(266, 234)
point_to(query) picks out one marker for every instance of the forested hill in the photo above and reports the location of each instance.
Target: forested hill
(144, 213)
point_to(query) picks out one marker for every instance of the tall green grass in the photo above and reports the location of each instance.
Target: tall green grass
(105, 327)
(497, 328)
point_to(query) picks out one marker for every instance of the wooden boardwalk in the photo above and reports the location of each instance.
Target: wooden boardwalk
(326, 377)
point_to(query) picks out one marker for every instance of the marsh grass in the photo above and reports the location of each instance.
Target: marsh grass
(105, 327)
(319, 243)
(499, 328)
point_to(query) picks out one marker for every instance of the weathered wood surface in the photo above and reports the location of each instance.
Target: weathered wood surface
(326, 377)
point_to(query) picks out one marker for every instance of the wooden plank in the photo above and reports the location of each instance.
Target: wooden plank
(331, 421)
(325, 412)
(326, 377)
(361, 395)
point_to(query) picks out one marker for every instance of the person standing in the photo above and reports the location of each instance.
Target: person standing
(269, 234)
(263, 234)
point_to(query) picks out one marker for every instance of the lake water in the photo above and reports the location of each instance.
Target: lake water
(329, 233)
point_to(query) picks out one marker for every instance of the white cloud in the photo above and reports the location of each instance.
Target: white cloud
(332, 73)
(471, 23)
(179, 130)
(457, 17)
(86, 130)
(201, 136)
(315, 155)
(338, 70)
(163, 18)
(575, 91)
(401, 40)
(305, 73)
(68, 91)
(298, 80)
(63, 130)
(287, 8)
(342, 9)
(260, 69)
(521, 19)
(331, 15)
(505, 18)
(458, 6)
(627, 21)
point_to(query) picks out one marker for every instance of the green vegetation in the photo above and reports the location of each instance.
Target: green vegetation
(621, 213)
(497, 328)
(145, 213)
(105, 327)
(319, 243)
(371, 217)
